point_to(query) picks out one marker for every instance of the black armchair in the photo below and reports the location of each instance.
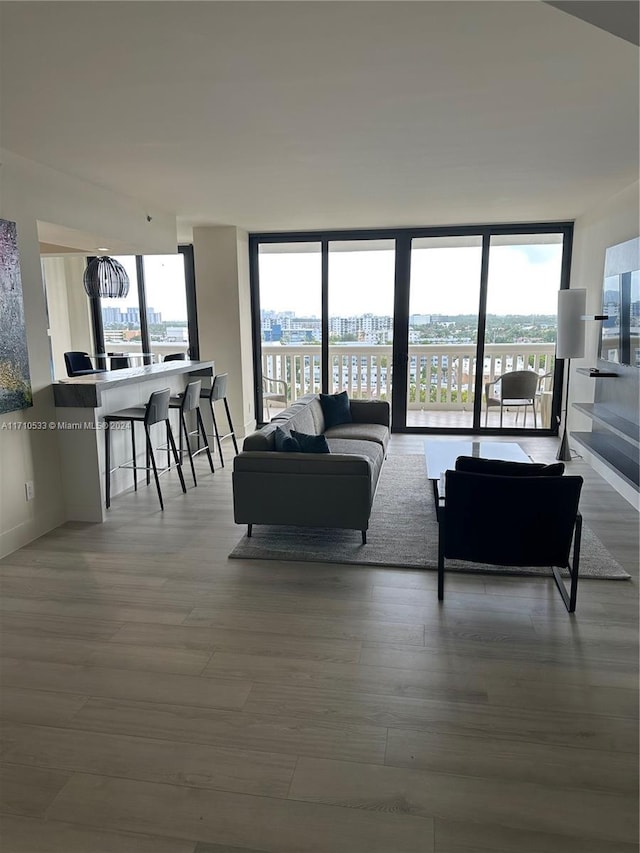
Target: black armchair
(79, 364)
(538, 516)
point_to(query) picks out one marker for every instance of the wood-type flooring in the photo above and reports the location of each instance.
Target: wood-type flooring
(160, 698)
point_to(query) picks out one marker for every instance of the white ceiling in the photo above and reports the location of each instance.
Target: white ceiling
(298, 115)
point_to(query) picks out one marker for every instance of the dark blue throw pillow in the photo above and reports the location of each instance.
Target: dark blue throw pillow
(336, 409)
(285, 442)
(310, 443)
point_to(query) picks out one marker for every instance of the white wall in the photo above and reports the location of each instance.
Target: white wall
(610, 223)
(67, 308)
(32, 192)
(221, 259)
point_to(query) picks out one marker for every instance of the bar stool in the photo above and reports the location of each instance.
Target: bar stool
(218, 391)
(175, 356)
(189, 401)
(156, 411)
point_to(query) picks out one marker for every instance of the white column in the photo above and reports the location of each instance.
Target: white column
(221, 261)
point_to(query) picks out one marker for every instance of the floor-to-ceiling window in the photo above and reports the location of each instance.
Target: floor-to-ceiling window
(122, 321)
(360, 311)
(289, 322)
(431, 319)
(166, 304)
(520, 329)
(444, 304)
(156, 318)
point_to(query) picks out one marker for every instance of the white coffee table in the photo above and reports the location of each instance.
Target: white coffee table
(441, 456)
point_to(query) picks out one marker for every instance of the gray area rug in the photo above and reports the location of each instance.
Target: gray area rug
(403, 533)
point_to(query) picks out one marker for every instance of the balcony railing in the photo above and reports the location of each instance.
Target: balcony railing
(440, 376)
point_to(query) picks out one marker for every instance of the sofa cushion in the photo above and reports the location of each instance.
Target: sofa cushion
(309, 404)
(308, 443)
(370, 450)
(301, 421)
(336, 409)
(476, 465)
(365, 432)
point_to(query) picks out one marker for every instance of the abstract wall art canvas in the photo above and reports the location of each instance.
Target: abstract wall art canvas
(15, 382)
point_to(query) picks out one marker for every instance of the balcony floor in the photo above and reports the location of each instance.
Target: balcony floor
(440, 418)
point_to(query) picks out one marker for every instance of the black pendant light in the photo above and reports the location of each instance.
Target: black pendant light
(105, 277)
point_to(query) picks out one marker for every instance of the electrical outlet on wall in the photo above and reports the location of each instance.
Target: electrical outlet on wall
(29, 490)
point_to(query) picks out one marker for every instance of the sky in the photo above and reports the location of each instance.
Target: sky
(164, 284)
(445, 280)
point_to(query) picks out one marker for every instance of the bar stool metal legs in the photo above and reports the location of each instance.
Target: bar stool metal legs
(189, 401)
(156, 411)
(218, 391)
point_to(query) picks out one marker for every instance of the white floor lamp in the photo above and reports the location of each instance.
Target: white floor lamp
(572, 305)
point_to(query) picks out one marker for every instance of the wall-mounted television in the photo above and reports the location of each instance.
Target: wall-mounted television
(620, 333)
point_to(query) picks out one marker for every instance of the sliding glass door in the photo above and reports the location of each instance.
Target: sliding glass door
(520, 330)
(435, 321)
(444, 303)
(290, 323)
(361, 288)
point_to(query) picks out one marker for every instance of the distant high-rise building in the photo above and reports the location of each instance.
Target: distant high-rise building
(111, 316)
(177, 333)
(420, 319)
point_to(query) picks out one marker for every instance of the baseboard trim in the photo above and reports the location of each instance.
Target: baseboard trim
(28, 530)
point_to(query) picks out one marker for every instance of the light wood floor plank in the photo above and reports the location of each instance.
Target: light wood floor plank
(87, 576)
(47, 708)
(123, 683)
(467, 837)
(564, 729)
(285, 733)
(525, 761)
(65, 650)
(39, 625)
(224, 848)
(237, 819)
(29, 790)
(29, 835)
(286, 623)
(176, 684)
(179, 763)
(515, 804)
(246, 642)
(350, 678)
(501, 665)
(103, 610)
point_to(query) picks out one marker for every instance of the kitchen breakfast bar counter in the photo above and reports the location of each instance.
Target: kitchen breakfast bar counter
(81, 404)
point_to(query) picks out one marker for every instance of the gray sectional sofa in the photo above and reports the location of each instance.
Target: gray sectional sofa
(333, 489)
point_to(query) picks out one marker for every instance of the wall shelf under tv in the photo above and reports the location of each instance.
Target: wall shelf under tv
(596, 374)
(616, 444)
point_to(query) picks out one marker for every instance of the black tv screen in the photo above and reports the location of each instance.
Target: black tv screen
(620, 333)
